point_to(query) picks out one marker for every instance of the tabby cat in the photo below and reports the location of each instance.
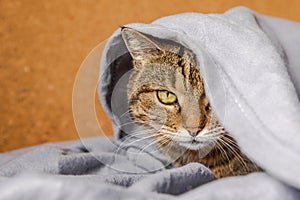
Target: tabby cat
(166, 94)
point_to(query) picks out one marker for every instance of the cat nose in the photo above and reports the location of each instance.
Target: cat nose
(194, 131)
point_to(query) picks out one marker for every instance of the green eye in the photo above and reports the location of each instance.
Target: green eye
(166, 97)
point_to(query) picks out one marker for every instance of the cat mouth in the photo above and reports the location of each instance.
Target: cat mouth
(195, 144)
(201, 140)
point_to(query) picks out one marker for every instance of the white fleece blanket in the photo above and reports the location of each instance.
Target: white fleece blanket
(251, 67)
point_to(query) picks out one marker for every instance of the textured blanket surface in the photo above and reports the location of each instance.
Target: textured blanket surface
(251, 69)
(71, 170)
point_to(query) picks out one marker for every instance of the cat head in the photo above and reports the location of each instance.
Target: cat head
(166, 93)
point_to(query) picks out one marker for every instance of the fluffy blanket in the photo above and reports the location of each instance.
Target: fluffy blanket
(251, 68)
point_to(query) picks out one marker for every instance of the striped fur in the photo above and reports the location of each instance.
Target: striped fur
(164, 65)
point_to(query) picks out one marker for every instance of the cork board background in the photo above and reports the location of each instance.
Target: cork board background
(42, 44)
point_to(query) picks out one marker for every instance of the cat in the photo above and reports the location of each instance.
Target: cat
(166, 94)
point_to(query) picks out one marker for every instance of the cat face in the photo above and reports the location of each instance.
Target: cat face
(166, 93)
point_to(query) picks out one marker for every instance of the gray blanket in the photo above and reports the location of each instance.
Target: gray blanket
(251, 68)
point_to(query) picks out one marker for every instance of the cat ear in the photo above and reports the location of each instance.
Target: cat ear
(138, 45)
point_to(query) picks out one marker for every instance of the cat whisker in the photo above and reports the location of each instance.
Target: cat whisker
(136, 133)
(128, 145)
(232, 142)
(167, 132)
(151, 143)
(126, 124)
(146, 146)
(125, 113)
(164, 127)
(143, 138)
(132, 136)
(223, 152)
(162, 141)
(234, 152)
(140, 132)
(141, 129)
(169, 135)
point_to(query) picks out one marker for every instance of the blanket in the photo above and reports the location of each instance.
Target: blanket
(251, 69)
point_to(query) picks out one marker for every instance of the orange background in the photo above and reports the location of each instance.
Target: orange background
(42, 44)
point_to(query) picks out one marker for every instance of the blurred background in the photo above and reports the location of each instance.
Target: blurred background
(43, 43)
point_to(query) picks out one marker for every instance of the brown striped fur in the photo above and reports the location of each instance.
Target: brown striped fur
(164, 65)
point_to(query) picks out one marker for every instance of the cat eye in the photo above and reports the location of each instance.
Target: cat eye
(166, 97)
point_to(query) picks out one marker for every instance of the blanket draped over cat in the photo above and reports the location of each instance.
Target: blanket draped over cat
(252, 71)
(251, 67)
